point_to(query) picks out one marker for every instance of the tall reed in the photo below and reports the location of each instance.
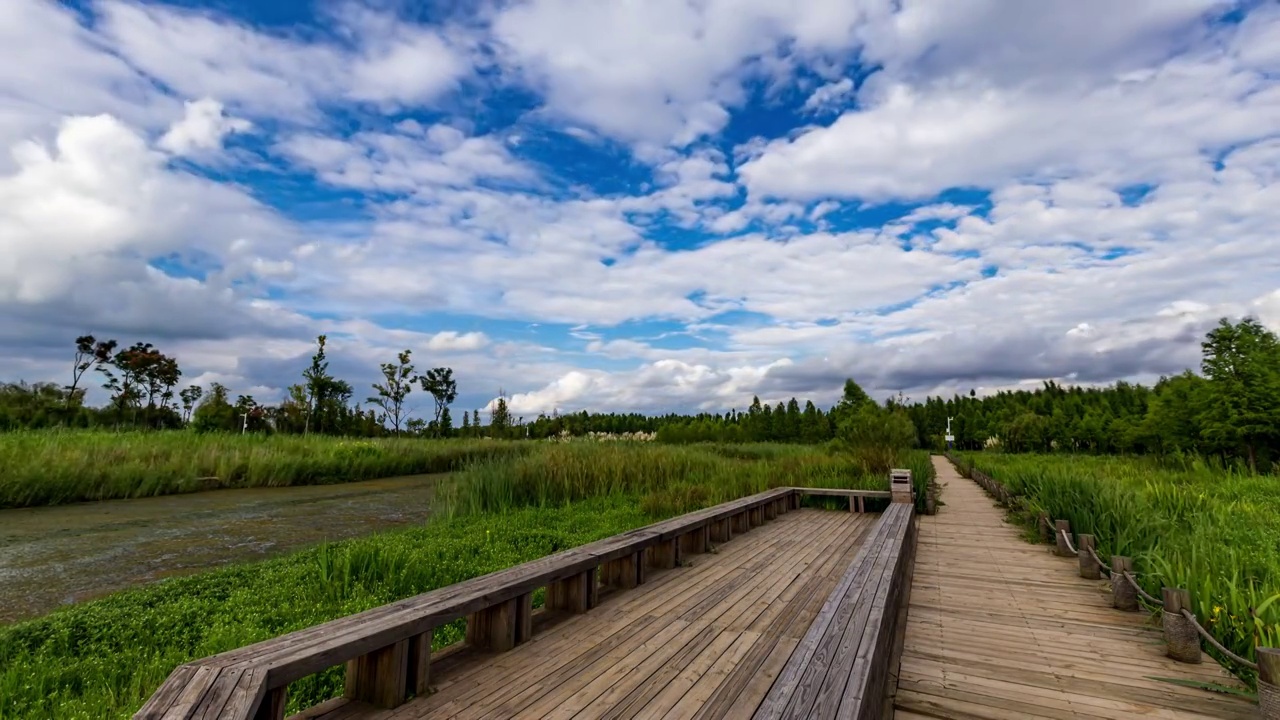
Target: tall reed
(1212, 530)
(56, 467)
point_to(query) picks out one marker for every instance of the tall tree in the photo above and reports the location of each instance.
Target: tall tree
(90, 353)
(215, 413)
(500, 417)
(398, 379)
(189, 396)
(1242, 364)
(319, 384)
(440, 384)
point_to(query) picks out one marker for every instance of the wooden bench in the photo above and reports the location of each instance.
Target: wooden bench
(387, 649)
(841, 667)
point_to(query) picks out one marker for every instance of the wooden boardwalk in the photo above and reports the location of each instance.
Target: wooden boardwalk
(1000, 628)
(700, 641)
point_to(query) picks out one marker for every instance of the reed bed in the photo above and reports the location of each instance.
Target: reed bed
(58, 467)
(1212, 530)
(667, 479)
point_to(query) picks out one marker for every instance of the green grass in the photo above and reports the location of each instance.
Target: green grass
(103, 658)
(53, 468)
(1212, 531)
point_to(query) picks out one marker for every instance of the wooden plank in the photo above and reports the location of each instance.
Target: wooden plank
(781, 693)
(660, 600)
(998, 628)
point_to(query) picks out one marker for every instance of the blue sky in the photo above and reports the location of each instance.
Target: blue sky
(648, 206)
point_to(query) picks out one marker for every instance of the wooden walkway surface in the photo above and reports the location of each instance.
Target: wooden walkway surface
(1000, 628)
(703, 641)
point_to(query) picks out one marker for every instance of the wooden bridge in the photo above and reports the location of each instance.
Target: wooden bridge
(757, 608)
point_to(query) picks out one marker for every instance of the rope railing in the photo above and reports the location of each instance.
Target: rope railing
(1214, 642)
(1182, 629)
(1101, 564)
(1145, 595)
(1066, 537)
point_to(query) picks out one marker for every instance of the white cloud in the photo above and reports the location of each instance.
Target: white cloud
(914, 142)
(450, 341)
(652, 387)
(660, 71)
(200, 54)
(202, 128)
(830, 96)
(410, 161)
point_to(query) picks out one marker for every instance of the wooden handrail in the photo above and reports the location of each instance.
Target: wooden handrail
(387, 648)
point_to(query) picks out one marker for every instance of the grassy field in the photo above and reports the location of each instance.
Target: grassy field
(103, 658)
(1213, 531)
(52, 468)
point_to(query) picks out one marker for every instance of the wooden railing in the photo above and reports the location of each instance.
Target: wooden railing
(387, 650)
(1182, 630)
(842, 667)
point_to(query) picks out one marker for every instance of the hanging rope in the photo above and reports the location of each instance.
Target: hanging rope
(1214, 642)
(1070, 545)
(1145, 595)
(1098, 560)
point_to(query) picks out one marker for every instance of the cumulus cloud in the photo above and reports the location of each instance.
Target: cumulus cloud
(1012, 194)
(200, 54)
(202, 128)
(830, 96)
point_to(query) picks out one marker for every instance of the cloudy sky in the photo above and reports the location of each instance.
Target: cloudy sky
(640, 204)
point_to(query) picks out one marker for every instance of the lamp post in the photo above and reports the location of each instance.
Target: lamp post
(950, 438)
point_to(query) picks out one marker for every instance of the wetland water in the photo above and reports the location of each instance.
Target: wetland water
(52, 556)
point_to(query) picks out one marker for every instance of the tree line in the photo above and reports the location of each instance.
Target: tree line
(1230, 410)
(141, 384)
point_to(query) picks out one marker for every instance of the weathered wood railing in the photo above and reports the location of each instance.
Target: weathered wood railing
(387, 650)
(1182, 631)
(841, 668)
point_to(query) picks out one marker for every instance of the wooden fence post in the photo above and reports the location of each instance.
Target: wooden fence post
(1179, 633)
(380, 677)
(273, 705)
(1046, 529)
(1060, 527)
(1123, 595)
(1089, 568)
(1269, 683)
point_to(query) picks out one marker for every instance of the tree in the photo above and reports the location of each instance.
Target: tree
(500, 417)
(215, 413)
(1242, 365)
(190, 395)
(90, 353)
(326, 396)
(399, 379)
(440, 384)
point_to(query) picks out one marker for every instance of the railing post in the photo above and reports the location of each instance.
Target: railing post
(1089, 568)
(1179, 632)
(1123, 595)
(900, 488)
(1269, 683)
(380, 677)
(493, 628)
(1062, 526)
(419, 670)
(1046, 529)
(273, 704)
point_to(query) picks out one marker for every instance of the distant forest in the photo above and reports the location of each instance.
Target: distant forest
(1230, 409)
